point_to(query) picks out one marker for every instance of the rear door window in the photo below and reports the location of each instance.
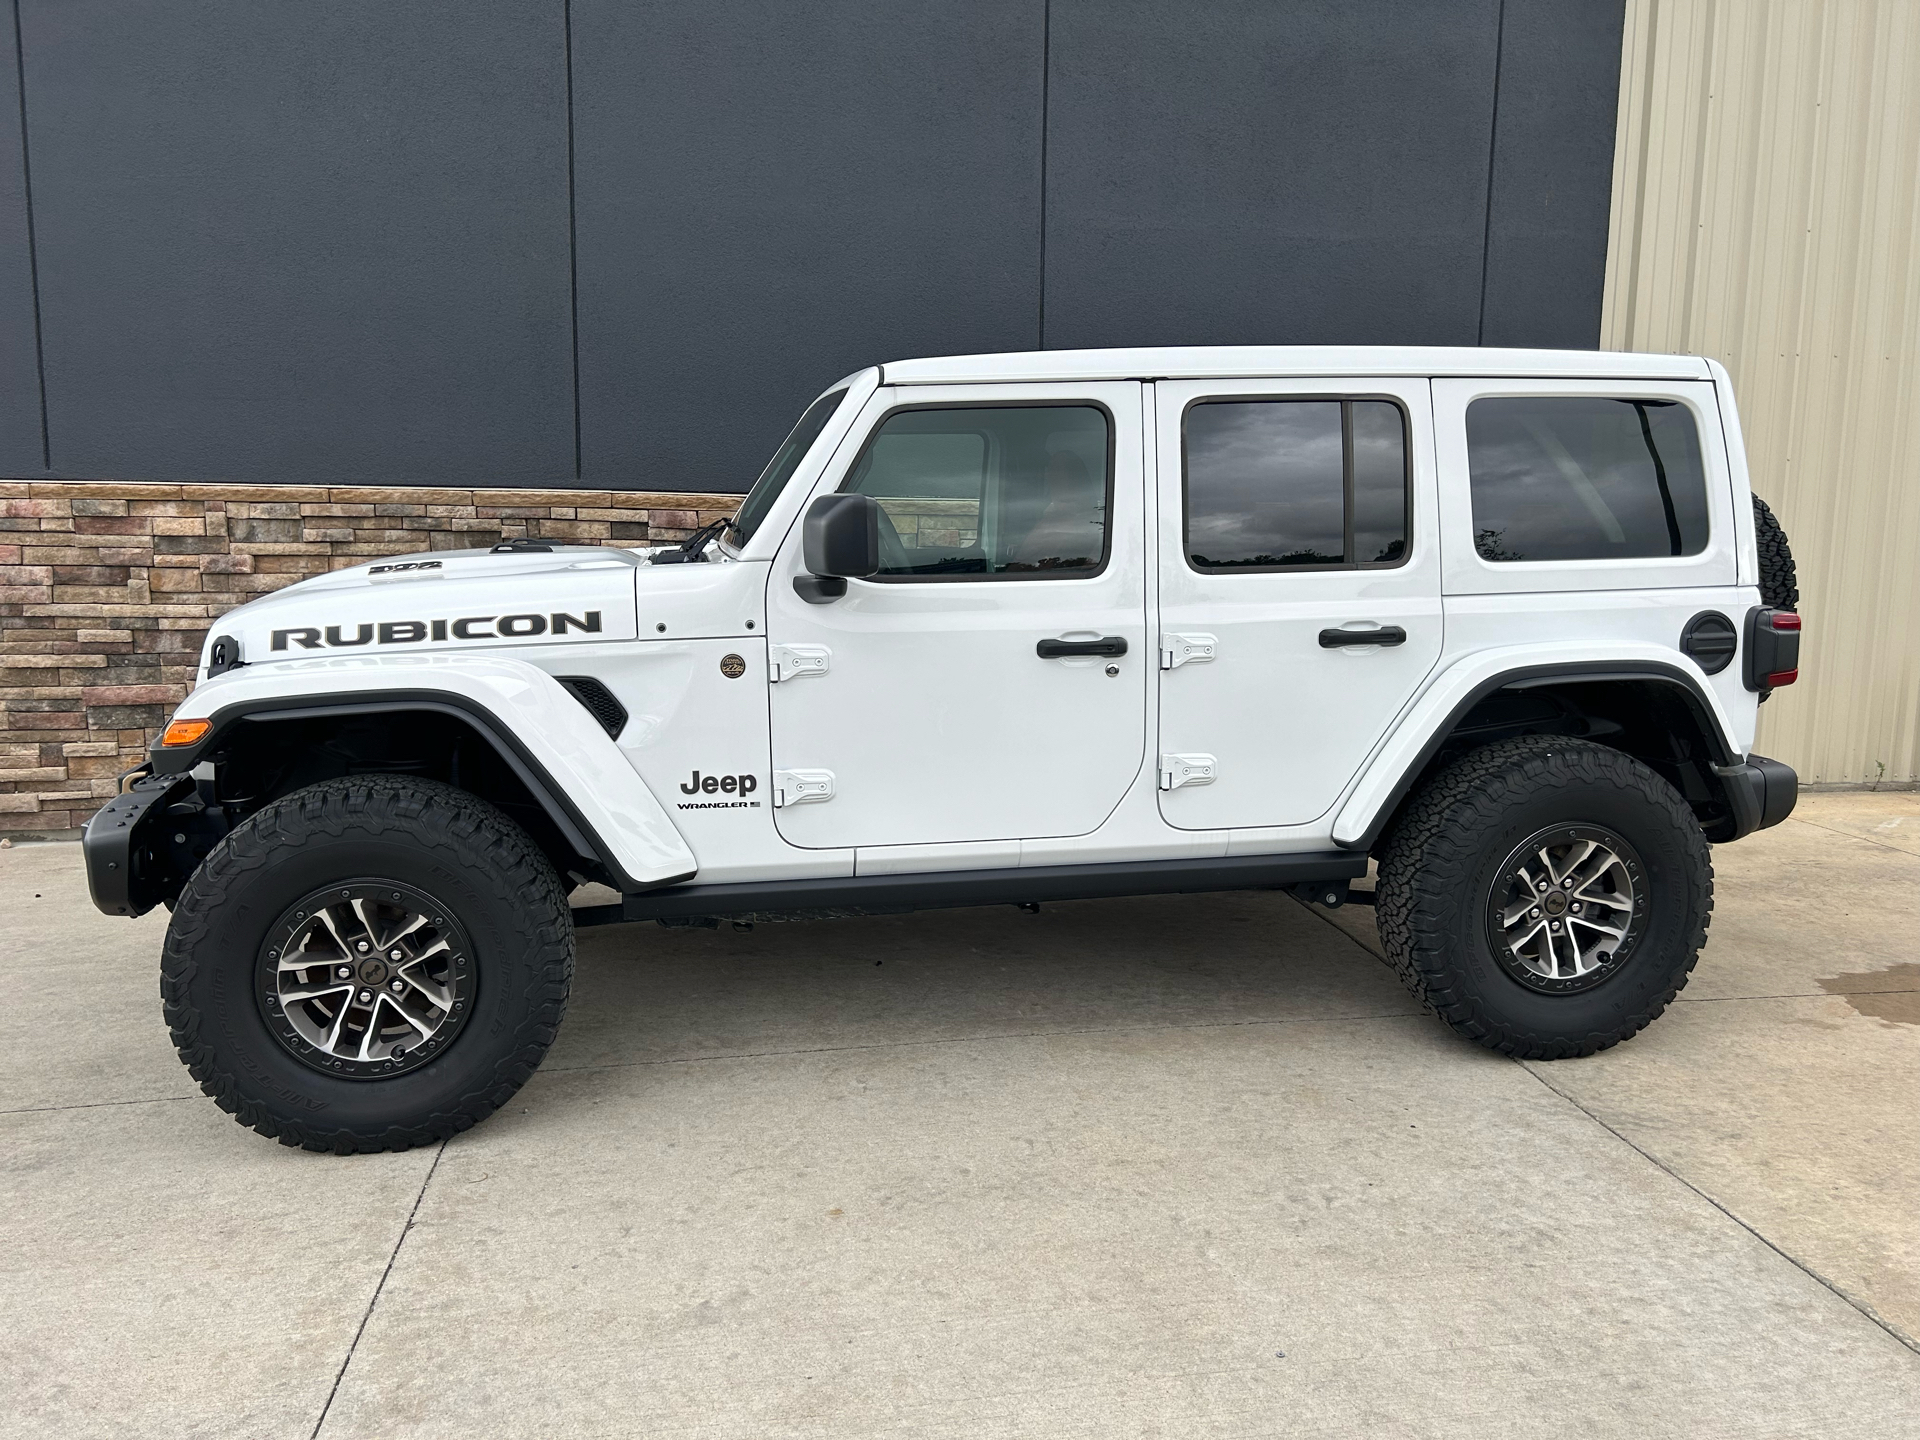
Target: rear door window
(1585, 478)
(1295, 484)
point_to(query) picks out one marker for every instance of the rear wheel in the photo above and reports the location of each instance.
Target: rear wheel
(372, 963)
(1546, 897)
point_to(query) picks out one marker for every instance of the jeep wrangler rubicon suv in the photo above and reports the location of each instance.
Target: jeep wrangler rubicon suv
(998, 630)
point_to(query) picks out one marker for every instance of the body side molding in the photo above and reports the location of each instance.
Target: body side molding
(949, 889)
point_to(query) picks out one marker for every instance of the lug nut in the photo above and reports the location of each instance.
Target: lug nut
(396, 987)
(1555, 924)
(344, 972)
(364, 947)
(366, 995)
(1567, 884)
(1574, 907)
(1534, 914)
(394, 954)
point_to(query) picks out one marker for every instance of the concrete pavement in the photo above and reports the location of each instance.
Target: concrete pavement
(1169, 1167)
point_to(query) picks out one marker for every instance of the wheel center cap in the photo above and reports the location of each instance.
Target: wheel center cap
(372, 971)
(1555, 903)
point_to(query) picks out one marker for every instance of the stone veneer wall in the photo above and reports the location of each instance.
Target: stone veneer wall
(107, 591)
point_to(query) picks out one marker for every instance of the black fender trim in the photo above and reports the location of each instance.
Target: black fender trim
(566, 817)
(1533, 677)
(896, 894)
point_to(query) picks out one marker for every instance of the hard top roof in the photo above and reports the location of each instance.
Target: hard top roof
(1207, 362)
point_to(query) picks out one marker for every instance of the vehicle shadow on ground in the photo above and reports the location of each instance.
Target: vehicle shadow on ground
(644, 994)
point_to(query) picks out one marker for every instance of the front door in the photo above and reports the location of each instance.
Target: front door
(1299, 589)
(989, 684)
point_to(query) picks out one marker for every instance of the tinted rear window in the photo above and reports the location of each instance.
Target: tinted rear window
(1282, 484)
(1585, 478)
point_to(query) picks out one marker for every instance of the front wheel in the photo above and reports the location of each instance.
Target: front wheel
(371, 963)
(1546, 897)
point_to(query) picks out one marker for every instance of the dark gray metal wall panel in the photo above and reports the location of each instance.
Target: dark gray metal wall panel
(1553, 172)
(20, 434)
(1261, 172)
(770, 195)
(303, 242)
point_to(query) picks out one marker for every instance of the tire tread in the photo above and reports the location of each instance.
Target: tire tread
(476, 836)
(1426, 873)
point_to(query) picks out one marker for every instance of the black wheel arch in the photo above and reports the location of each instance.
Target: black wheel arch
(264, 749)
(1650, 710)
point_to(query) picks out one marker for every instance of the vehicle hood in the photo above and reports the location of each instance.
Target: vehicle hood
(442, 600)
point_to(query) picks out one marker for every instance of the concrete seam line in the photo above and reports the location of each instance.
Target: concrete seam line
(1327, 920)
(1659, 1164)
(1797, 995)
(96, 1105)
(973, 1039)
(1851, 836)
(374, 1299)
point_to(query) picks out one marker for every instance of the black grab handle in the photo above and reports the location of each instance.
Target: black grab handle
(1106, 645)
(1385, 635)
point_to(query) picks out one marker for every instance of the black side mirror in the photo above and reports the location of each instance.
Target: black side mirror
(839, 537)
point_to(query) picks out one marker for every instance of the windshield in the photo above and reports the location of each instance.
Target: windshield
(780, 469)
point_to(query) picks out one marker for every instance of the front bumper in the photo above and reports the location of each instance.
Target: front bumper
(129, 867)
(1761, 793)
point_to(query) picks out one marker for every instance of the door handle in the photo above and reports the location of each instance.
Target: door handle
(1385, 635)
(1058, 649)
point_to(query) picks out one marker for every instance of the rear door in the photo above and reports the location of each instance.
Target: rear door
(1299, 568)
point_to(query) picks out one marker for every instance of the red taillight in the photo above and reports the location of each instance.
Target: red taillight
(1772, 649)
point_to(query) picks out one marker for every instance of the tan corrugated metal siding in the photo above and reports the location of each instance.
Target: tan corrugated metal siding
(1765, 207)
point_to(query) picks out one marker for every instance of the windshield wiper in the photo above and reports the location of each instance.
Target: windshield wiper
(693, 550)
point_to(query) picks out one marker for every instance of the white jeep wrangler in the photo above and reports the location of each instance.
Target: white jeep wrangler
(998, 630)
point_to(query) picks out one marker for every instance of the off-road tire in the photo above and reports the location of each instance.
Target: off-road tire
(1779, 583)
(1439, 865)
(478, 864)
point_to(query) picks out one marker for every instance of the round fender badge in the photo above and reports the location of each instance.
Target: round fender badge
(732, 666)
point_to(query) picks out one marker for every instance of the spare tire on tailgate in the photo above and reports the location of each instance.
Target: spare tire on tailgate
(1779, 588)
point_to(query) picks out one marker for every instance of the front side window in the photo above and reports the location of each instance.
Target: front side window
(990, 491)
(1288, 484)
(780, 469)
(1585, 478)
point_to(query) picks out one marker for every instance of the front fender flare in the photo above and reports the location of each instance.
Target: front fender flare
(558, 750)
(1398, 762)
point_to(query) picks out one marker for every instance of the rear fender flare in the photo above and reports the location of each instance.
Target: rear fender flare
(1397, 764)
(579, 776)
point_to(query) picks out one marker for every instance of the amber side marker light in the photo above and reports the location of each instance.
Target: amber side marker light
(185, 732)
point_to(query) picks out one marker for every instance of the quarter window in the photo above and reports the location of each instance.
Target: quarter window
(974, 492)
(1295, 484)
(1585, 478)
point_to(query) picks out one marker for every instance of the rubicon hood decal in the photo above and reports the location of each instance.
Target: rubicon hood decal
(460, 603)
(412, 632)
